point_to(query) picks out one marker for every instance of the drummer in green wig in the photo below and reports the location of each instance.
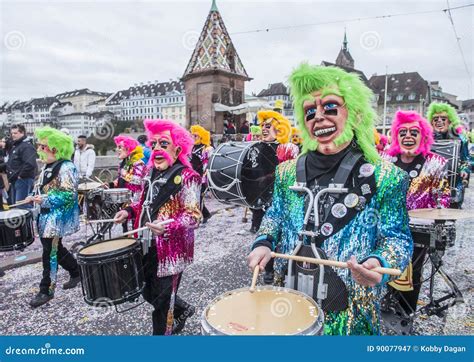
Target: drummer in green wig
(362, 220)
(56, 197)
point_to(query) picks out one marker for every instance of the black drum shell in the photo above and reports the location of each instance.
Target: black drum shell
(253, 164)
(16, 233)
(113, 277)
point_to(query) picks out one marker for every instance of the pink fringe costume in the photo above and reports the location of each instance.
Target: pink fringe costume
(131, 170)
(171, 252)
(427, 171)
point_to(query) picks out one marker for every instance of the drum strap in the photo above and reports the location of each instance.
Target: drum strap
(49, 172)
(170, 186)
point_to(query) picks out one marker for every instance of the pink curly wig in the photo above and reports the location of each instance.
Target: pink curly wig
(128, 142)
(402, 117)
(179, 135)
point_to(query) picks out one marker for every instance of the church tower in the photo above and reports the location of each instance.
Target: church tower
(215, 74)
(344, 58)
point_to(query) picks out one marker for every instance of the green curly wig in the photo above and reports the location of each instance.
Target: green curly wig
(454, 121)
(58, 140)
(306, 79)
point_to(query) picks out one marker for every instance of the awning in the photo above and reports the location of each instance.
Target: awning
(253, 106)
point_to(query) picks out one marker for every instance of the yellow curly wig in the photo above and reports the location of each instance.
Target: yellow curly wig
(203, 134)
(280, 122)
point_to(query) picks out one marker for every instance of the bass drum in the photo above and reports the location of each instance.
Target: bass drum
(243, 173)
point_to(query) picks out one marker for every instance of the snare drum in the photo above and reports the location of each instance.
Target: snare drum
(85, 187)
(117, 196)
(111, 271)
(16, 229)
(423, 230)
(267, 311)
(243, 173)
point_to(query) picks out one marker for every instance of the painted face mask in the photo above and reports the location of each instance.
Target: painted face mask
(440, 122)
(165, 153)
(325, 119)
(409, 138)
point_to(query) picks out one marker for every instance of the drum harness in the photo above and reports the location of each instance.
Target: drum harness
(151, 205)
(331, 292)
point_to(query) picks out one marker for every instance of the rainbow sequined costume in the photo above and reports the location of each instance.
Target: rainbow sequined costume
(427, 176)
(175, 248)
(379, 230)
(59, 215)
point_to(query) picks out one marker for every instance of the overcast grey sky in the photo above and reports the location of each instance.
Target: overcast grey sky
(50, 47)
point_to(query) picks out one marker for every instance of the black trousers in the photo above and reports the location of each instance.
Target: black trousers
(257, 217)
(161, 293)
(205, 212)
(55, 254)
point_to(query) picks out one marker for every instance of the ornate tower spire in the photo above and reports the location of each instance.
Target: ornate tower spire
(214, 49)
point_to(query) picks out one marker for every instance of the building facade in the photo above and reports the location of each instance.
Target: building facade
(81, 98)
(151, 100)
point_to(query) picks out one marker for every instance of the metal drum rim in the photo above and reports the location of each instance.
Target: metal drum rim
(109, 255)
(317, 326)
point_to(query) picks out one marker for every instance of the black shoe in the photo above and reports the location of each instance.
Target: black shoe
(72, 283)
(178, 323)
(253, 230)
(40, 299)
(268, 278)
(2, 273)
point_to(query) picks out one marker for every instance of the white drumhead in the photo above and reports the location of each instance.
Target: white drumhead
(417, 221)
(87, 186)
(5, 215)
(263, 312)
(106, 246)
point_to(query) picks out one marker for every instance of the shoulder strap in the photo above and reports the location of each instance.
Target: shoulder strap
(347, 164)
(301, 169)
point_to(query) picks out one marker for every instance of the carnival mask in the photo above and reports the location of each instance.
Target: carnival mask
(45, 154)
(409, 138)
(165, 153)
(269, 133)
(440, 122)
(122, 152)
(325, 119)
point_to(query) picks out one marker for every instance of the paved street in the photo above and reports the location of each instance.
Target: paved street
(219, 266)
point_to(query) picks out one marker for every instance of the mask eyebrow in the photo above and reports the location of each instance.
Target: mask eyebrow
(330, 91)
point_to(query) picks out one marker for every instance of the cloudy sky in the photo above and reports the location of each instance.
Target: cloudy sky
(50, 47)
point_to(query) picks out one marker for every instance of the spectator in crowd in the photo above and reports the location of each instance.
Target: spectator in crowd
(84, 157)
(3, 172)
(244, 129)
(230, 128)
(142, 139)
(21, 165)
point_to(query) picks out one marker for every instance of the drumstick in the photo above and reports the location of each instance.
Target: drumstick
(102, 182)
(337, 264)
(254, 278)
(99, 221)
(24, 202)
(165, 222)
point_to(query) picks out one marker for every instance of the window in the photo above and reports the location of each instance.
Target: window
(400, 97)
(412, 96)
(389, 97)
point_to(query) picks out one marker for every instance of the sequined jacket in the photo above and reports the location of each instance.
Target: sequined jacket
(59, 211)
(424, 182)
(380, 230)
(131, 176)
(175, 248)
